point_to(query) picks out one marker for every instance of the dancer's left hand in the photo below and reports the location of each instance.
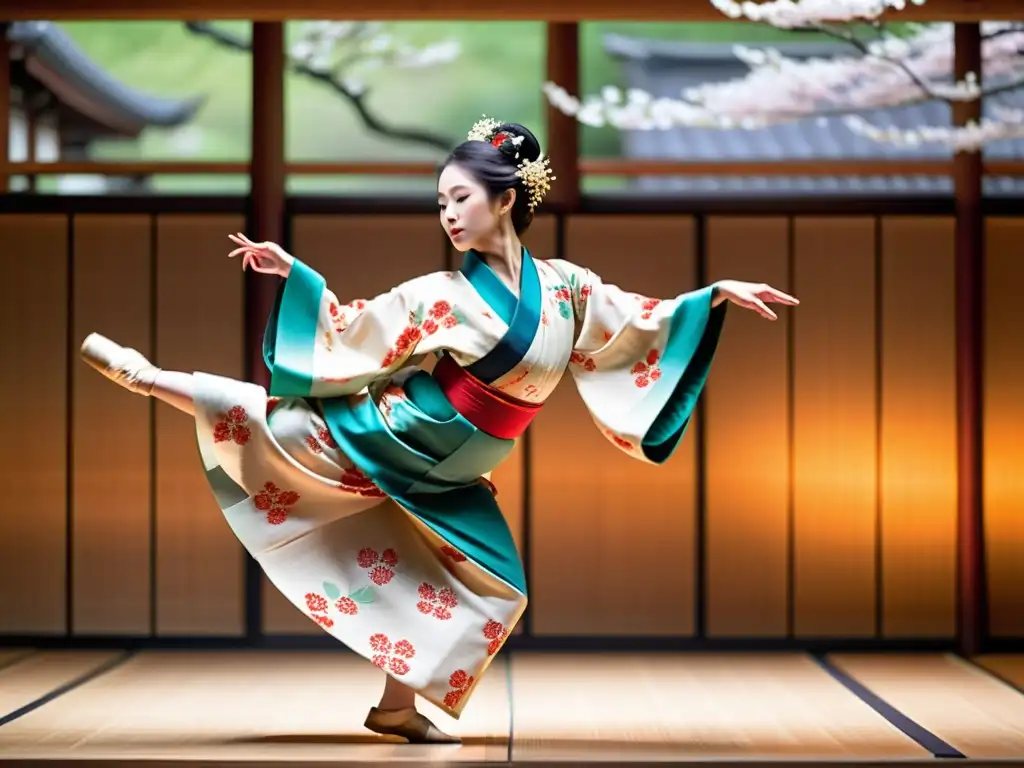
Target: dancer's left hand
(755, 296)
(267, 258)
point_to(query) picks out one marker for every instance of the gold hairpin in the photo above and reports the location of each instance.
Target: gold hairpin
(536, 175)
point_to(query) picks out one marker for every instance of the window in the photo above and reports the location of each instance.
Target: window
(666, 59)
(135, 91)
(403, 92)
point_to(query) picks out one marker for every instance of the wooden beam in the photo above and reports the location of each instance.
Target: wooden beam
(587, 167)
(970, 298)
(524, 10)
(563, 67)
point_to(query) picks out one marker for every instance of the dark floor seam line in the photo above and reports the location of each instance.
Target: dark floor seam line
(910, 728)
(70, 686)
(17, 659)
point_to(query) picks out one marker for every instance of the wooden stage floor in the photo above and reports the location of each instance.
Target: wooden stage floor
(160, 708)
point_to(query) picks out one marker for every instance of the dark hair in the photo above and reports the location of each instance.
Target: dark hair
(495, 167)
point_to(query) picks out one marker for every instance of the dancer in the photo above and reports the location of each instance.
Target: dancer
(360, 483)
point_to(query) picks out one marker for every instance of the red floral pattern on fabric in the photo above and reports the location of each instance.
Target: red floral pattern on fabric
(272, 403)
(347, 606)
(317, 605)
(647, 370)
(381, 567)
(389, 397)
(618, 440)
(496, 633)
(460, 682)
(323, 439)
(583, 361)
(436, 602)
(441, 314)
(342, 317)
(647, 305)
(232, 427)
(391, 656)
(353, 480)
(275, 502)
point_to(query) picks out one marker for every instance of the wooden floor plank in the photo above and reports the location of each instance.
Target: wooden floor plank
(11, 656)
(244, 706)
(41, 673)
(1007, 666)
(962, 705)
(661, 706)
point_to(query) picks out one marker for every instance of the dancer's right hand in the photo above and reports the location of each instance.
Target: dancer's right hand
(267, 258)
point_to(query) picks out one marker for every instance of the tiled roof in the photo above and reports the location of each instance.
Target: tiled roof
(665, 68)
(125, 109)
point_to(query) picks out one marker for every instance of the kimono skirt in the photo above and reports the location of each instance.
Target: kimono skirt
(417, 570)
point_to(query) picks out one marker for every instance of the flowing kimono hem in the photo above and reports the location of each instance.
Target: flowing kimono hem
(686, 364)
(238, 504)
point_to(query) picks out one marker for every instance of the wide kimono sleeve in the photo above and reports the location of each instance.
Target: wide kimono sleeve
(640, 363)
(315, 346)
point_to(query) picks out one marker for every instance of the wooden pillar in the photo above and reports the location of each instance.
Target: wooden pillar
(266, 222)
(5, 108)
(563, 68)
(267, 180)
(970, 297)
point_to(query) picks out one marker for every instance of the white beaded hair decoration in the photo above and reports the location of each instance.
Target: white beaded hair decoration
(536, 174)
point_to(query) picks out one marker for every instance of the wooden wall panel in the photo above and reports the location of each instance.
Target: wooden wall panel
(612, 540)
(747, 439)
(360, 257)
(111, 430)
(918, 477)
(33, 470)
(199, 327)
(1004, 427)
(834, 427)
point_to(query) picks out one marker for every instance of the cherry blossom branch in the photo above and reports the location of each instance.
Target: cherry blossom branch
(331, 52)
(885, 73)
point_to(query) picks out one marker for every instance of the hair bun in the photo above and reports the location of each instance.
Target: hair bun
(520, 143)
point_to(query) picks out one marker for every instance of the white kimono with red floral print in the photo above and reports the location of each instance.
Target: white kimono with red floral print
(352, 493)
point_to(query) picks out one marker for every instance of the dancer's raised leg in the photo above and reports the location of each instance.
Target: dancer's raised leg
(134, 372)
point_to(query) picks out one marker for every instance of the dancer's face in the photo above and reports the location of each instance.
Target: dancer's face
(469, 215)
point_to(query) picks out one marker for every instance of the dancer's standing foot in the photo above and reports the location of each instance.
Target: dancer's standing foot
(396, 715)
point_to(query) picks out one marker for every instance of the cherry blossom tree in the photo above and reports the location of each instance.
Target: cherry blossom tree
(884, 69)
(344, 56)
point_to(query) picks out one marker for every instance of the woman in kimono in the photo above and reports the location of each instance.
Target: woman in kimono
(360, 482)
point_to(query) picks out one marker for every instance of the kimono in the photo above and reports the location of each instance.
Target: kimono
(363, 492)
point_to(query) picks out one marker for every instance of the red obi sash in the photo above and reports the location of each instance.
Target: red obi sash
(485, 408)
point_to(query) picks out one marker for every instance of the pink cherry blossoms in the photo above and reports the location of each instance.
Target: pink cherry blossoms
(882, 71)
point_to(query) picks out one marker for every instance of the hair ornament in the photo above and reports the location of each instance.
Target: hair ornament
(483, 129)
(536, 174)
